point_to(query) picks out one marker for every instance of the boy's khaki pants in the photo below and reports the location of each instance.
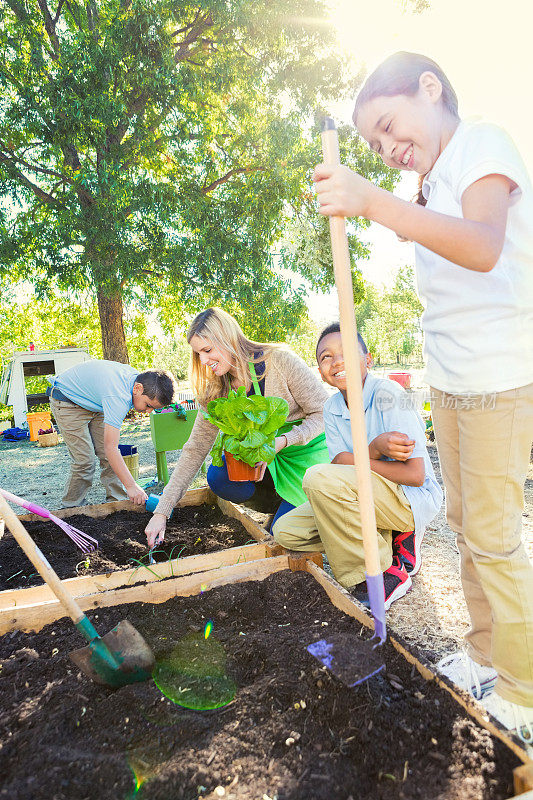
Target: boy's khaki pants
(484, 443)
(83, 434)
(331, 521)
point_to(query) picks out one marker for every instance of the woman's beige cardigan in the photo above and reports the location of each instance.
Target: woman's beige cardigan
(287, 376)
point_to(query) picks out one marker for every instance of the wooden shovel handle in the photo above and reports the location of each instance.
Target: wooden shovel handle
(39, 561)
(350, 348)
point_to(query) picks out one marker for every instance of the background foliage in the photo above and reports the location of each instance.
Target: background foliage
(152, 149)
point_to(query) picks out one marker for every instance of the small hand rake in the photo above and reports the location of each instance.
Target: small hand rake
(121, 656)
(82, 540)
(349, 658)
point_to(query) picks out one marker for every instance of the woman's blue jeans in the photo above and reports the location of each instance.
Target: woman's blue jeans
(237, 491)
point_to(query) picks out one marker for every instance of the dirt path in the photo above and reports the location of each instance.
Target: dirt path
(433, 615)
(39, 473)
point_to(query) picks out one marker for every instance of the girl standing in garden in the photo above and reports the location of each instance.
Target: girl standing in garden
(473, 234)
(223, 358)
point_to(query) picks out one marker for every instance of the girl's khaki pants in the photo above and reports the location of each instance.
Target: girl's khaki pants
(484, 443)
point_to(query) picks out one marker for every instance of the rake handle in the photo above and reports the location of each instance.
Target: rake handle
(348, 326)
(32, 507)
(39, 561)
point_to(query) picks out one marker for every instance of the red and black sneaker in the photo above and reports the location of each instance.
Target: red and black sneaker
(407, 547)
(396, 580)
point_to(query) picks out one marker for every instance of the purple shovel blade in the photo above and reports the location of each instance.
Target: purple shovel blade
(376, 596)
(350, 659)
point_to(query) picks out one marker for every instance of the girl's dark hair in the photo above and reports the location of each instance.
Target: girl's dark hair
(400, 74)
(336, 328)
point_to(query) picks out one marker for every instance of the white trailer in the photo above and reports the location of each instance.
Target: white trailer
(24, 364)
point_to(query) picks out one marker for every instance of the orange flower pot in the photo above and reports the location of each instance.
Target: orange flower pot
(240, 470)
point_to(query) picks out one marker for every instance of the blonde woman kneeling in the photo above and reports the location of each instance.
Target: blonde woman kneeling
(223, 358)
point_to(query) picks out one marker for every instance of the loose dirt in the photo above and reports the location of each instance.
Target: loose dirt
(122, 543)
(292, 731)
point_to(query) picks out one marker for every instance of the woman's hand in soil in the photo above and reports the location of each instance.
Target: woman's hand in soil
(155, 530)
(342, 192)
(393, 444)
(136, 494)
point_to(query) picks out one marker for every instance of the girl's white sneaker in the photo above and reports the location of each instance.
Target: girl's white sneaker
(467, 674)
(516, 718)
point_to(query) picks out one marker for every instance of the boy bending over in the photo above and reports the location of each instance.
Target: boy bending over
(406, 493)
(89, 403)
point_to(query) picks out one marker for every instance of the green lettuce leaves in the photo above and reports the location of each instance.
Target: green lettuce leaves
(248, 425)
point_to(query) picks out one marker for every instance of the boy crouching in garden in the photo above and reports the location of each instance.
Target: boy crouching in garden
(406, 493)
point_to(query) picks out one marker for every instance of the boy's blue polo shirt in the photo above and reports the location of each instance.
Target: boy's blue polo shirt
(387, 408)
(104, 386)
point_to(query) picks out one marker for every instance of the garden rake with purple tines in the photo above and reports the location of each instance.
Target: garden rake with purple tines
(82, 540)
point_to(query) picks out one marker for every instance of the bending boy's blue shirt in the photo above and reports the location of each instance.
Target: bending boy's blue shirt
(387, 409)
(104, 386)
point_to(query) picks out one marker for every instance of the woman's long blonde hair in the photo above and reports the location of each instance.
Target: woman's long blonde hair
(225, 332)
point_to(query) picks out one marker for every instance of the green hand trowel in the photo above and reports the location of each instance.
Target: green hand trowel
(121, 656)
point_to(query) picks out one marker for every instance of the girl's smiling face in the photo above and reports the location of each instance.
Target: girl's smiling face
(408, 132)
(218, 360)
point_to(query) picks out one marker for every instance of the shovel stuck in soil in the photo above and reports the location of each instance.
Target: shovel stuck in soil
(347, 657)
(121, 656)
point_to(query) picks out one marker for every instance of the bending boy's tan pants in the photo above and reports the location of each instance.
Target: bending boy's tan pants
(331, 520)
(83, 434)
(484, 451)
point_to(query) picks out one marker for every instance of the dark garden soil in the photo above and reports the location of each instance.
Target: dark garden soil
(292, 731)
(122, 543)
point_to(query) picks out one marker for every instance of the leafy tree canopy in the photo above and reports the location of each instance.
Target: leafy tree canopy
(151, 149)
(390, 320)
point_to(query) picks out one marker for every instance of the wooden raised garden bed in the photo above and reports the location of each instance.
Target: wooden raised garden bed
(20, 607)
(289, 731)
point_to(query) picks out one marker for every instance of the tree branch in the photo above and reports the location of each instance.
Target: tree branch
(8, 154)
(228, 175)
(46, 198)
(18, 9)
(199, 25)
(58, 12)
(189, 26)
(50, 28)
(73, 15)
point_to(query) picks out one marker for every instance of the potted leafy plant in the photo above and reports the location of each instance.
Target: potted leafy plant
(248, 427)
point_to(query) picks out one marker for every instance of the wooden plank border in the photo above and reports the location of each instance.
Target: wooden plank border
(35, 617)
(145, 573)
(194, 497)
(344, 601)
(523, 781)
(18, 605)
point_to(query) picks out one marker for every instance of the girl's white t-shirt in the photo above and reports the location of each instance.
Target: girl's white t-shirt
(478, 326)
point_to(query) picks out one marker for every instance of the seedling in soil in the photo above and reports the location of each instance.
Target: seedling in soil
(14, 575)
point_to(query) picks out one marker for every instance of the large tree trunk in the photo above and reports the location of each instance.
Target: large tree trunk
(113, 338)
